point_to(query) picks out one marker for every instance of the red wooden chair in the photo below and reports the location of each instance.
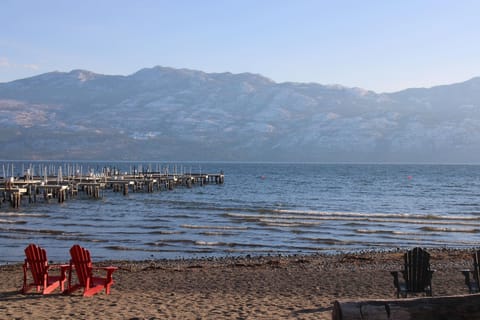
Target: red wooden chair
(36, 261)
(82, 263)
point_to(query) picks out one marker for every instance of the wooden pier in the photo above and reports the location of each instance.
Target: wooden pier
(14, 190)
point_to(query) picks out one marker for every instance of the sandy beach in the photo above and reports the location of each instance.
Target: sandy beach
(273, 287)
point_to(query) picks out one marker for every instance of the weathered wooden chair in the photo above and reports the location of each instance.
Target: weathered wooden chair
(83, 266)
(417, 275)
(37, 263)
(473, 283)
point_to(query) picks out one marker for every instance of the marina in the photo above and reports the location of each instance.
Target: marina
(52, 185)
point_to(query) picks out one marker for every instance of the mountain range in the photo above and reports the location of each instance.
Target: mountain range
(167, 114)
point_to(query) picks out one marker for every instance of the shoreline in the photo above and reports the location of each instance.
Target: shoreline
(265, 287)
(261, 256)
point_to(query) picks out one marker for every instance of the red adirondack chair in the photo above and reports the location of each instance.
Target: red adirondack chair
(82, 263)
(36, 261)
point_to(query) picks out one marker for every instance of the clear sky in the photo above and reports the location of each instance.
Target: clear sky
(380, 45)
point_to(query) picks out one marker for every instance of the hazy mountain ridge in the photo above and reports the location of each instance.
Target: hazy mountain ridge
(178, 114)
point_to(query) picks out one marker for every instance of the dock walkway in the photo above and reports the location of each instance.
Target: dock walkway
(14, 190)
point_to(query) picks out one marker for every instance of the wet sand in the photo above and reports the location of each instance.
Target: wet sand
(273, 287)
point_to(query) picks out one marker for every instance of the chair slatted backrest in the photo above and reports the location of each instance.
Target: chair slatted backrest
(37, 262)
(82, 263)
(417, 268)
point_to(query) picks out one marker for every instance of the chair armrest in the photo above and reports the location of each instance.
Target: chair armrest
(395, 278)
(62, 267)
(430, 273)
(109, 276)
(110, 271)
(111, 268)
(466, 273)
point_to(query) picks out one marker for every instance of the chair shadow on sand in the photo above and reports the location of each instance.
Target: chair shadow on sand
(16, 295)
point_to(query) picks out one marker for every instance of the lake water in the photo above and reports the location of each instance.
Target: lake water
(261, 209)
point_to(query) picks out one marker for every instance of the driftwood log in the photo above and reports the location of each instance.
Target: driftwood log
(464, 307)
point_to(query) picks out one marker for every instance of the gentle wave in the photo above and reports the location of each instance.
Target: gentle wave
(123, 248)
(189, 226)
(72, 224)
(210, 243)
(165, 232)
(3, 221)
(153, 227)
(434, 229)
(288, 224)
(374, 215)
(217, 233)
(329, 241)
(392, 232)
(33, 231)
(23, 215)
(95, 240)
(309, 221)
